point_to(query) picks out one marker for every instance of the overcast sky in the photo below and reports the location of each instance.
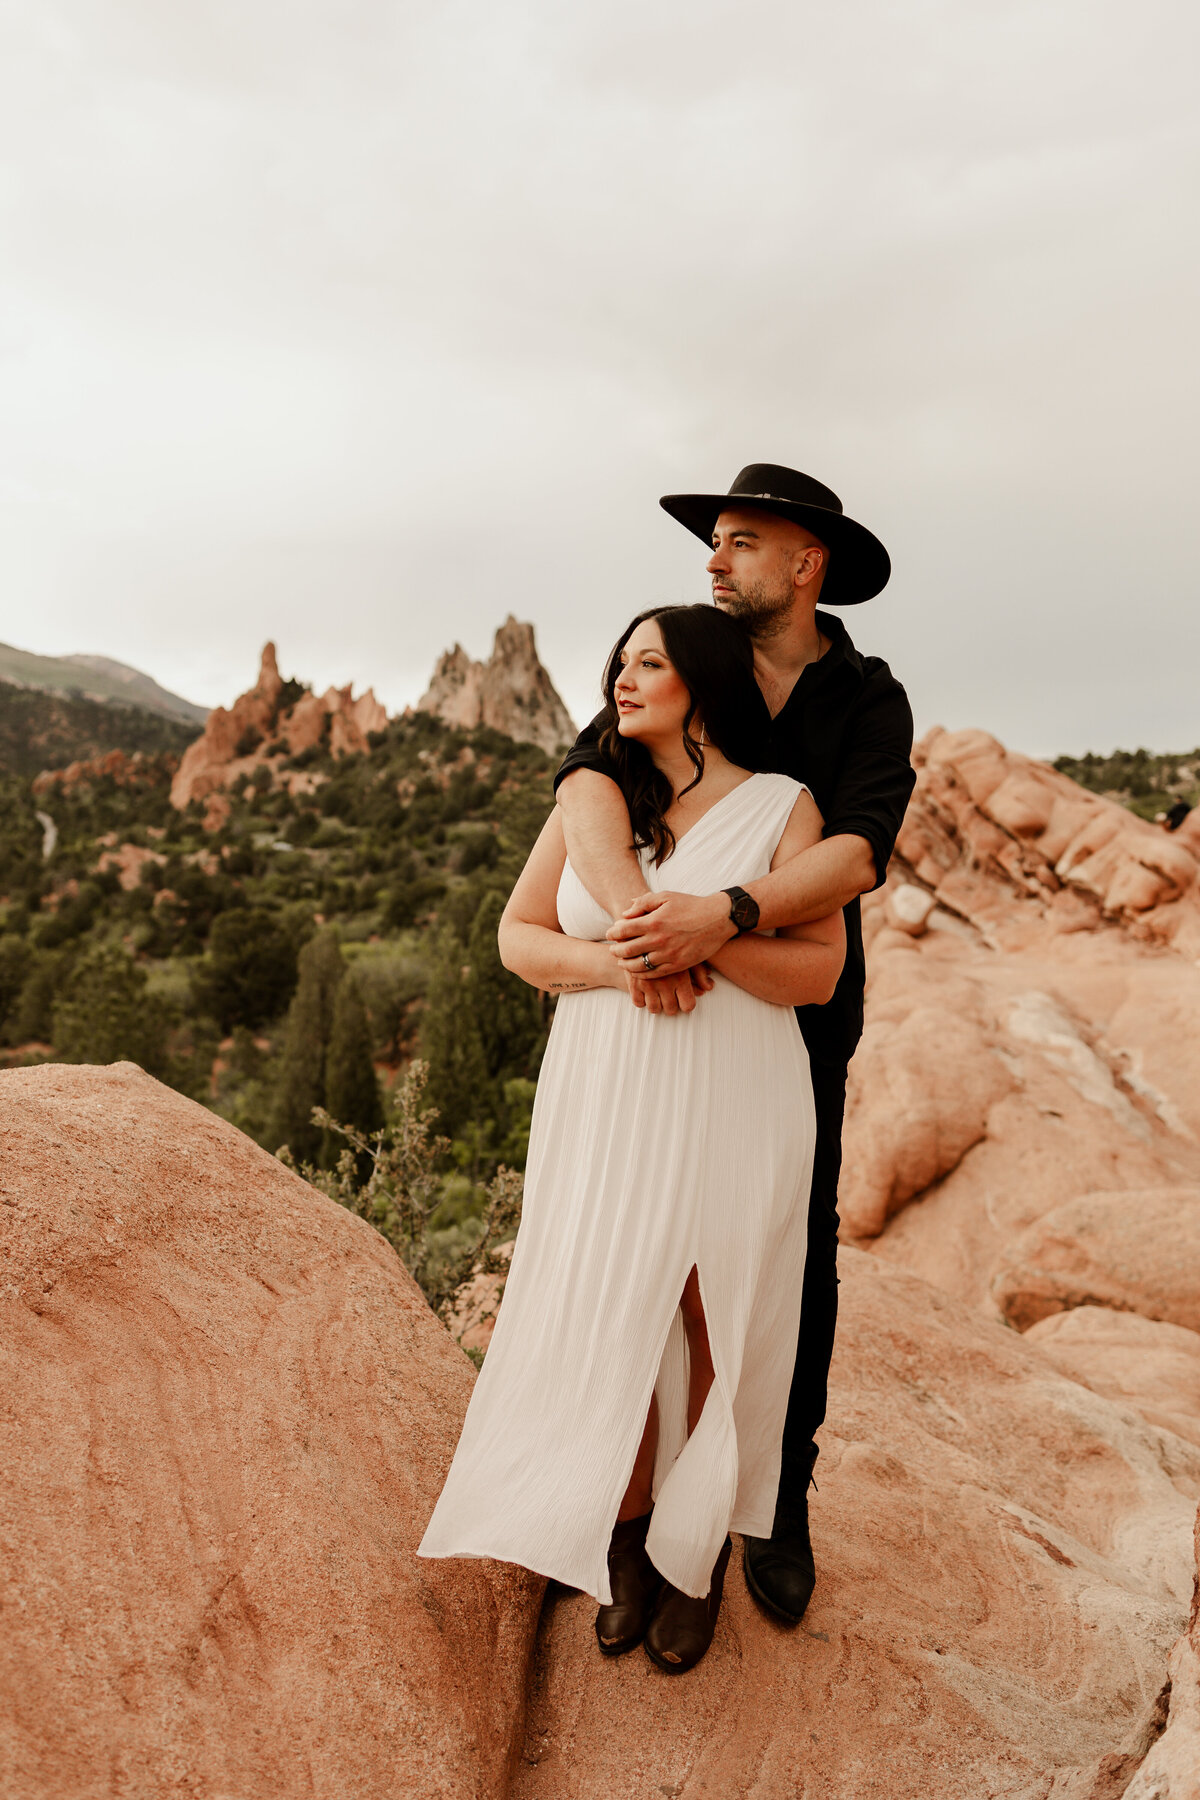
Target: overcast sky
(359, 324)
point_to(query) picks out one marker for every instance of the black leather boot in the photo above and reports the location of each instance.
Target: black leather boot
(780, 1572)
(682, 1627)
(634, 1582)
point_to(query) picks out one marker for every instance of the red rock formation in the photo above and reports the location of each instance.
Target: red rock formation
(129, 860)
(228, 1411)
(126, 771)
(1172, 1769)
(1144, 1363)
(236, 742)
(511, 692)
(983, 815)
(1135, 1251)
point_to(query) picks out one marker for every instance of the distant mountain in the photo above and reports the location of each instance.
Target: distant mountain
(40, 730)
(96, 678)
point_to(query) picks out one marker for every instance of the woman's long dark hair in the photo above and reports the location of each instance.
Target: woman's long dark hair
(712, 656)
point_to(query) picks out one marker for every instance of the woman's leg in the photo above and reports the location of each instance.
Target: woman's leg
(700, 1378)
(638, 1495)
(700, 1364)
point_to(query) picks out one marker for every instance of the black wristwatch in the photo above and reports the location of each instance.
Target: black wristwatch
(743, 909)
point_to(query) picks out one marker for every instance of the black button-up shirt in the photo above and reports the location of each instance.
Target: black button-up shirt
(846, 731)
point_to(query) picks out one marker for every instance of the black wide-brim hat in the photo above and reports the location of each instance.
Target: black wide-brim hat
(859, 566)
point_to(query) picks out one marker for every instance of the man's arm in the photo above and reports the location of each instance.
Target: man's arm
(674, 930)
(595, 822)
(865, 815)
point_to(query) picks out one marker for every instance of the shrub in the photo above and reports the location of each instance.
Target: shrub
(403, 1191)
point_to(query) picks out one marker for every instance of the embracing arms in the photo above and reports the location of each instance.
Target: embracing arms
(799, 967)
(801, 964)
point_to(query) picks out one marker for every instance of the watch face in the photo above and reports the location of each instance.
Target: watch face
(744, 912)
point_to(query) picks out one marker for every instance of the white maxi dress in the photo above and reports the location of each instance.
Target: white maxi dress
(657, 1144)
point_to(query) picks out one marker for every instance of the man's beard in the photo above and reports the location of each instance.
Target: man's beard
(763, 611)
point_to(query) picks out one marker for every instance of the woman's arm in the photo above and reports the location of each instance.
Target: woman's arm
(801, 966)
(533, 944)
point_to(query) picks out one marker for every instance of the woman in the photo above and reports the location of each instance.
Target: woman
(630, 1410)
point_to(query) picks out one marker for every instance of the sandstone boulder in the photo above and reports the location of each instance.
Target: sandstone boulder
(1137, 1252)
(1141, 1362)
(228, 1412)
(511, 692)
(1171, 1771)
(919, 1098)
(1003, 1557)
(982, 814)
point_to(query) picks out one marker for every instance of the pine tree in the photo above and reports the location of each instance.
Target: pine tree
(351, 1089)
(451, 1043)
(305, 1045)
(506, 1009)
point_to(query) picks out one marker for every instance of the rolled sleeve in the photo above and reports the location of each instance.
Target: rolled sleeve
(585, 753)
(876, 780)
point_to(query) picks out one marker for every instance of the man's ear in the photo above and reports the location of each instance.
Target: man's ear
(810, 564)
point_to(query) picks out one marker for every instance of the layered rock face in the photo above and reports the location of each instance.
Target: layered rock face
(238, 740)
(1023, 1122)
(511, 692)
(227, 1414)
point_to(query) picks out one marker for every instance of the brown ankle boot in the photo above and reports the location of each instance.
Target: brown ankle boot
(682, 1628)
(634, 1582)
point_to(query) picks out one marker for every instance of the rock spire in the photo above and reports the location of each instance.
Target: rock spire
(262, 727)
(511, 692)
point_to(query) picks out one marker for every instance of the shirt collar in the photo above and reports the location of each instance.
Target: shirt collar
(841, 649)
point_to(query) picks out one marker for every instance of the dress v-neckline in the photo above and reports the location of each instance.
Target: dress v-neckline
(681, 837)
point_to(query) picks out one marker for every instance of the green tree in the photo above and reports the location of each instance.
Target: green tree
(249, 974)
(106, 1015)
(305, 1045)
(33, 1015)
(506, 1009)
(15, 959)
(351, 1088)
(451, 1043)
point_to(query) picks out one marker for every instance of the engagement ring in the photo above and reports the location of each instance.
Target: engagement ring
(646, 960)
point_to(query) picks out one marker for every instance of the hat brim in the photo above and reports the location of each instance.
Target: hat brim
(859, 566)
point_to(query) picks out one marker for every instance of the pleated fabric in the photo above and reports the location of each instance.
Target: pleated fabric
(657, 1144)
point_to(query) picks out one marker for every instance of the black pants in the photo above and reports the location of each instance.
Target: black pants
(819, 1301)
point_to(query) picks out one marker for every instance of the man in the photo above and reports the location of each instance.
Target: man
(841, 723)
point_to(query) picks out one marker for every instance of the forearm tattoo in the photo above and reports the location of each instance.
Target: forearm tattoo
(562, 987)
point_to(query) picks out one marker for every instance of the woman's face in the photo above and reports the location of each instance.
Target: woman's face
(652, 700)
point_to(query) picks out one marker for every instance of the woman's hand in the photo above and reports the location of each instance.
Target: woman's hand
(668, 993)
(677, 931)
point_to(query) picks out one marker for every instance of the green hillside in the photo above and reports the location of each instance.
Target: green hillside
(1145, 781)
(95, 678)
(40, 730)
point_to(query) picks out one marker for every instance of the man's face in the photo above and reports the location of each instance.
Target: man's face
(755, 562)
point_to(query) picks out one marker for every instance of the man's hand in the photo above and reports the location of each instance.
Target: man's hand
(669, 993)
(676, 931)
